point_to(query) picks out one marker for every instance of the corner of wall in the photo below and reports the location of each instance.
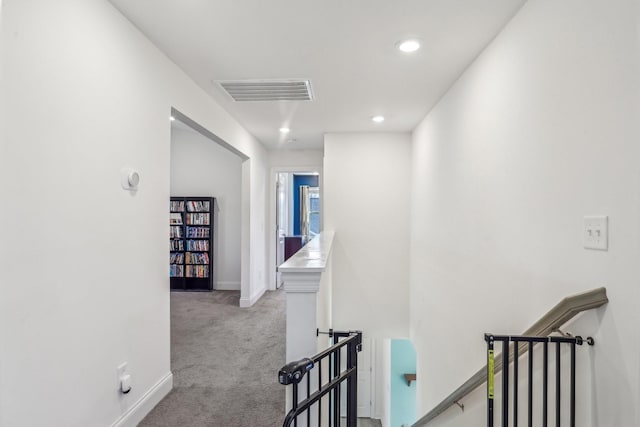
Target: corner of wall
(248, 302)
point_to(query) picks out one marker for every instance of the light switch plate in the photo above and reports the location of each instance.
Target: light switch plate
(596, 232)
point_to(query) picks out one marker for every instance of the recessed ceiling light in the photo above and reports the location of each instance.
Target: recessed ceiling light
(408, 46)
(378, 119)
(172, 118)
(285, 130)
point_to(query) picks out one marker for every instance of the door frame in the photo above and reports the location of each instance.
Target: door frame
(272, 239)
(245, 182)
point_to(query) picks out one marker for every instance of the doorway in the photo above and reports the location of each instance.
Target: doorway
(201, 168)
(296, 212)
(202, 164)
(399, 376)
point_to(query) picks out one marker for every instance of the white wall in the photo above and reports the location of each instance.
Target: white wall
(84, 284)
(367, 185)
(540, 131)
(256, 261)
(201, 167)
(296, 159)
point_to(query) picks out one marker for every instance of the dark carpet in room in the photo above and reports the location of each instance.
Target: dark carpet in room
(225, 361)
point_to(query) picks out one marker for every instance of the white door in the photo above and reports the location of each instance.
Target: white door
(364, 381)
(365, 378)
(281, 221)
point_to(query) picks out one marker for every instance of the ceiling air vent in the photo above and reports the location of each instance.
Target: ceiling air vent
(267, 90)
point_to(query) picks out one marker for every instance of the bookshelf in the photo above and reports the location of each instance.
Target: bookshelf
(192, 231)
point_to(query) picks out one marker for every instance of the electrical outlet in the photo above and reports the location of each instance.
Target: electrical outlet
(124, 378)
(596, 232)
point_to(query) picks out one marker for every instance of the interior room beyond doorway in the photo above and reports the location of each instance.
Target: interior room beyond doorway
(201, 167)
(298, 217)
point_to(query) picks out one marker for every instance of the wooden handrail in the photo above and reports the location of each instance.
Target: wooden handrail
(564, 311)
(408, 378)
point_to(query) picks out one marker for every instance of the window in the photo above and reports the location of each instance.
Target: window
(314, 211)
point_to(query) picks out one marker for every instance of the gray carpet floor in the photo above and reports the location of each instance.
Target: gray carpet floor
(225, 361)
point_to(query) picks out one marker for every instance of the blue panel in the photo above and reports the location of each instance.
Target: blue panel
(403, 397)
(298, 180)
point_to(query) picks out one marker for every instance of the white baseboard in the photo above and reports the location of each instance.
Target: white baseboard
(146, 403)
(248, 302)
(227, 286)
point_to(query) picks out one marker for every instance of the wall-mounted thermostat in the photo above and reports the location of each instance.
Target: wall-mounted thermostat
(129, 179)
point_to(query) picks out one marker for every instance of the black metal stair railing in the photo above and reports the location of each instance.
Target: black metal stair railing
(520, 345)
(340, 367)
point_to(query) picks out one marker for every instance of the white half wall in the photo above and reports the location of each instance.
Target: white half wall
(202, 167)
(85, 281)
(367, 186)
(540, 131)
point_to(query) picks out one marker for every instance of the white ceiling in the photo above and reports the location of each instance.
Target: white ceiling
(345, 47)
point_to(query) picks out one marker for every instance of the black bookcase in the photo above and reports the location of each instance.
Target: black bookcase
(193, 227)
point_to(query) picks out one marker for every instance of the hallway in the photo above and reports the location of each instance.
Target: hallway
(224, 361)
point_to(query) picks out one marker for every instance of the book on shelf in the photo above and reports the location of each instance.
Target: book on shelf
(177, 245)
(175, 232)
(198, 206)
(200, 271)
(176, 206)
(198, 218)
(197, 245)
(176, 270)
(176, 258)
(197, 258)
(175, 218)
(202, 232)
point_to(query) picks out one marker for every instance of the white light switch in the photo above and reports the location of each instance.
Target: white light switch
(596, 232)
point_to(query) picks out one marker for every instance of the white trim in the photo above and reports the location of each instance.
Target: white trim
(146, 403)
(373, 407)
(248, 302)
(301, 282)
(386, 383)
(227, 286)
